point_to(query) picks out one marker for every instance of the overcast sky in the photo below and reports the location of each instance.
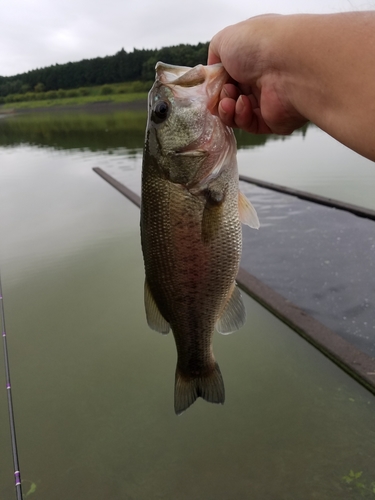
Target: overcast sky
(38, 33)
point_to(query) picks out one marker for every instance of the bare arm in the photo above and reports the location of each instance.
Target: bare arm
(291, 69)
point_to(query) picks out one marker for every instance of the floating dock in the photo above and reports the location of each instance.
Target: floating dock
(311, 265)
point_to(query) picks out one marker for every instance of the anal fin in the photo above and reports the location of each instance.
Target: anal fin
(233, 315)
(154, 317)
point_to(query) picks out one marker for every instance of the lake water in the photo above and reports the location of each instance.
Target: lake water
(93, 386)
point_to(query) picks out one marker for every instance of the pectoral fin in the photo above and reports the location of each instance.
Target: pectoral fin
(247, 212)
(154, 318)
(233, 315)
(212, 216)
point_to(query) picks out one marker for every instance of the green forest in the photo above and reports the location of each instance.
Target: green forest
(137, 65)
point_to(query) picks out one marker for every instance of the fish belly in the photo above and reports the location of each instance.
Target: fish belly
(189, 276)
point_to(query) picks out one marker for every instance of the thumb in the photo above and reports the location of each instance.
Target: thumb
(214, 50)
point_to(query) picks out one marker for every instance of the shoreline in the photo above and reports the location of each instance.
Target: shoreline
(94, 107)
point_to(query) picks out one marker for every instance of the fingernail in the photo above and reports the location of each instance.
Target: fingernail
(223, 93)
(240, 104)
(222, 111)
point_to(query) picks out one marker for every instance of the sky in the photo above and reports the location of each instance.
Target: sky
(39, 33)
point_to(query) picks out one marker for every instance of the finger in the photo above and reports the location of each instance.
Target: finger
(245, 88)
(213, 58)
(253, 101)
(228, 91)
(226, 111)
(243, 113)
(248, 117)
(231, 91)
(213, 52)
(259, 126)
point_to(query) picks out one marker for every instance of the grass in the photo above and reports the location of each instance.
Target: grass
(75, 101)
(114, 93)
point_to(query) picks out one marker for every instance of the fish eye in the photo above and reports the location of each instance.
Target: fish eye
(160, 112)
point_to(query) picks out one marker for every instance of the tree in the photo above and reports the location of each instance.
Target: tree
(40, 87)
(121, 67)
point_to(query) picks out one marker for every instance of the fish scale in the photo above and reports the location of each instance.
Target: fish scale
(190, 225)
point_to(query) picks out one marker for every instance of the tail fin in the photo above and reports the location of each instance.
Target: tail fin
(209, 387)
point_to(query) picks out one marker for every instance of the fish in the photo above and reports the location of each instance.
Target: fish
(191, 215)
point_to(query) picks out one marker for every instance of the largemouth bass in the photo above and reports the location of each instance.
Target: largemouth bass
(191, 218)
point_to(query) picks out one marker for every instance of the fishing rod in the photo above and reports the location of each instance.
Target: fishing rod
(17, 474)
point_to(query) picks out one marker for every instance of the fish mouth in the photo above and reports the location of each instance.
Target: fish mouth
(183, 76)
(213, 76)
(186, 76)
(167, 73)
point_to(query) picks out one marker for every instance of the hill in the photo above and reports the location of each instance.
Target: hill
(121, 67)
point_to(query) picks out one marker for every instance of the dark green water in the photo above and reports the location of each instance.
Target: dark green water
(93, 386)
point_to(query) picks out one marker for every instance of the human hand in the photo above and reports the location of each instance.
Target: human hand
(257, 101)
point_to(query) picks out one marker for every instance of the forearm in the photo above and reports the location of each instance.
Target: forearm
(327, 69)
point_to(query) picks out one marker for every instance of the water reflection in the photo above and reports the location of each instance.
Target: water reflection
(246, 140)
(95, 131)
(309, 159)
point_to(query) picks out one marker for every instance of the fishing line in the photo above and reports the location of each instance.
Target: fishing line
(17, 474)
